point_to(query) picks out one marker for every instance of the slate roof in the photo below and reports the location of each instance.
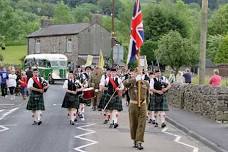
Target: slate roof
(56, 30)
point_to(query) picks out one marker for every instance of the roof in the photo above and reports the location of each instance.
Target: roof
(65, 29)
(47, 56)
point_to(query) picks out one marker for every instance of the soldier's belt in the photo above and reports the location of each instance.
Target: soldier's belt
(136, 102)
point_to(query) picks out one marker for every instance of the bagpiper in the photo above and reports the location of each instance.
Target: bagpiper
(159, 86)
(72, 97)
(37, 85)
(113, 98)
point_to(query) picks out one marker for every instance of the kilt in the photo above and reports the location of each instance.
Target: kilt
(35, 102)
(158, 103)
(114, 104)
(71, 101)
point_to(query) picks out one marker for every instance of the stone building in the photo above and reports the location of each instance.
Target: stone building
(76, 41)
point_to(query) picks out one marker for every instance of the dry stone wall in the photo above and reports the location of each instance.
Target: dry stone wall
(205, 100)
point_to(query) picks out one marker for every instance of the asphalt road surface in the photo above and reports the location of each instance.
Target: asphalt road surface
(55, 134)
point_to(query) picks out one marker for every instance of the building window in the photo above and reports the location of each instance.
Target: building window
(37, 46)
(69, 45)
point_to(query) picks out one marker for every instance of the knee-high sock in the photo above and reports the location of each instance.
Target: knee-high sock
(114, 118)
(162, 116)
(38, 114)
(82, 108)
(34, 116)
(152, 115)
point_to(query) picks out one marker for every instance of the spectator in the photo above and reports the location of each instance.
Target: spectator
(215, 79)
(23, 85)
(4, 77)
(187, 76)
(179, 77)
(12, 83)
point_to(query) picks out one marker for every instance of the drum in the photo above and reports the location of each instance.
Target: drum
(88, 93)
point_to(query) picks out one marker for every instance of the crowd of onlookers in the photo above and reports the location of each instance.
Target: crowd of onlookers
(14, 82)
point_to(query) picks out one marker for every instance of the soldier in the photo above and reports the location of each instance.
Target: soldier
(94, 82)
(137, 107)
(159, 86)
(36, 99)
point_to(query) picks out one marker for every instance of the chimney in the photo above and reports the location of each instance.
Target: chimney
(45, 22)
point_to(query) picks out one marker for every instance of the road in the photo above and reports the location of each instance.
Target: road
(17, 134)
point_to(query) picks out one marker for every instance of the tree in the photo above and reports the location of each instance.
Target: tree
(2, 42)
(213, 44)
(176, 51)
(62, 14)
(218, 24)
(106, 7)
(222, 55)
(148, 49)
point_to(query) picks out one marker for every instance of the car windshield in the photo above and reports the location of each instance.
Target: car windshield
(54, 63)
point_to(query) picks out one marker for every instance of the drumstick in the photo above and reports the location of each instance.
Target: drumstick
(109, 101)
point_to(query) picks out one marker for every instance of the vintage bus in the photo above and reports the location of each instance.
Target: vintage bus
(51, 66)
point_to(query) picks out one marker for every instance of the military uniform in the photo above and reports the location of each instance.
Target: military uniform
(137, 113)
(94, 82)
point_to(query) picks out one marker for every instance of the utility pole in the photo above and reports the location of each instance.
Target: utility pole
(113, 18)
(203, 41)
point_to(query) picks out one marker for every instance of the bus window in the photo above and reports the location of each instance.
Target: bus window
(54, 63)
(63, 63)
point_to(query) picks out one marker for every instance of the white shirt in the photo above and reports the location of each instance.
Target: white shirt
(164, 79)
(12, 81)
(65, 84)
(31, 82)
(105, 82)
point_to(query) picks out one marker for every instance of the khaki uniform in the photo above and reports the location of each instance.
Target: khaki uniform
(94, 82)
(137, 114)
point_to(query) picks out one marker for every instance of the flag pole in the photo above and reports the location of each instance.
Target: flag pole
(139, 82)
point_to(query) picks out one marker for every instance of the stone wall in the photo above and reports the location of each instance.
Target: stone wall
(205, 100)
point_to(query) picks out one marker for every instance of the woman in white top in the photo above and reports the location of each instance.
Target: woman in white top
(12, 83)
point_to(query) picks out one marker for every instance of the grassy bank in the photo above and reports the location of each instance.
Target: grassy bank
(13, 54)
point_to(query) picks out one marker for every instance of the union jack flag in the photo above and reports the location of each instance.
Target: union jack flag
(137, 33)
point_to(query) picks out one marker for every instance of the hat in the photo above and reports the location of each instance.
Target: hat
(113, 69)
(157, 70)
(71, 71)
(35, 69)
(88, 67)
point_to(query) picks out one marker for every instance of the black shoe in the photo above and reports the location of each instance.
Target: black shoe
(106, 121)
(39, 123)
(94, 108)
(156, 125)
(111, 126)
(153, 122)
(71, 122)
(150, 121)
(163, 125)
(139, 146)
(80, 115)
(116, 125)
(135, 145)
(35, 123)
(75, 120)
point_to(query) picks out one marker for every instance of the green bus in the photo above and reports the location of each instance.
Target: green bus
(51, 67)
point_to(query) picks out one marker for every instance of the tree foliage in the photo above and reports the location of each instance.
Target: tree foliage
(176, 51)
(148, 49)
(213, 44)
(222, 54)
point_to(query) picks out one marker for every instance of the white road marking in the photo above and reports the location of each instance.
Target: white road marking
(2, 110)
(57, 104)
(178, 138)
(7, 113)
(6, 104)
(3, 128)
(92, 142)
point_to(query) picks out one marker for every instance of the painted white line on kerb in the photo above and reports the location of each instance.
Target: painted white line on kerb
(92, 142)
(7, 113)
(3, 128)
(178, 138)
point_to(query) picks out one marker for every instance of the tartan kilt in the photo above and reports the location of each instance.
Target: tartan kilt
(35, 102)
(158, 103)
(114, 104)
(83, 101)
(71, 101)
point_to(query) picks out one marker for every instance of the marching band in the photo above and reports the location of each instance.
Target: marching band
(104, 90)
